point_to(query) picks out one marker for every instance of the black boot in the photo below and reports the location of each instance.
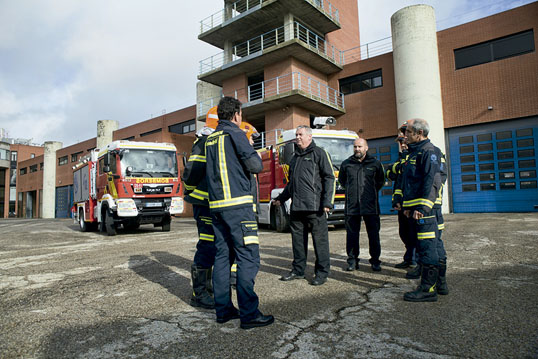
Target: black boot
(209, 281)
(442, 287)
(200, 296)
(426, 291)
(415, 272)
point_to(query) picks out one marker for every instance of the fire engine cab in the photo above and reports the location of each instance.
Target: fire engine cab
(127, 183)
(274, 176)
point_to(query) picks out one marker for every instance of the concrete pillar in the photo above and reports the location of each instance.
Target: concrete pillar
(105, 132)
(416, 71)
(228, 52)
(207, 96)
(49, 178)
(288, 27)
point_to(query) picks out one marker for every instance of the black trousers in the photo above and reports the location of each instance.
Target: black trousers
(353, 229)
(236, 238)
(205, 248)
(408, 237)
(302, 223)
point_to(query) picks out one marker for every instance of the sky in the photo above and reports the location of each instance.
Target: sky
(65, 64)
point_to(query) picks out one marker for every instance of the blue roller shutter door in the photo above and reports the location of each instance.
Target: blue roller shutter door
(385, 150)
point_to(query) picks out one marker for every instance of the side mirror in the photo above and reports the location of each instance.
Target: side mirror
(129, 170)
(106, 168)
(287, 153)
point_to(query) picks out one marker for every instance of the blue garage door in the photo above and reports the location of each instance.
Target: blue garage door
(385, 150)
(493, 167)
(64, 201)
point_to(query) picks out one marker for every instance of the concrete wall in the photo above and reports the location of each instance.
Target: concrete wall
(49, 178)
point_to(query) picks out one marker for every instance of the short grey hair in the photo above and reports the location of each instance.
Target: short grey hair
(420, 124)
(307, 129)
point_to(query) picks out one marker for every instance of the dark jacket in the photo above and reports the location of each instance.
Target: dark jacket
(362, 181)
(311, 183)
(230, 161)
(421, 181)
(193, 177)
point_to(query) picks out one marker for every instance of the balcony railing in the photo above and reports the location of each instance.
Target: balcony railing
(269, 40)
(368, 50)
(239, 7)
(281, 85)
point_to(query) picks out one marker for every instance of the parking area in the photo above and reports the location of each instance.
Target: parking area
(68, 294)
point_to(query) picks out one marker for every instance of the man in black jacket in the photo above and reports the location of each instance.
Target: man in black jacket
(311, 188)
(362, 176)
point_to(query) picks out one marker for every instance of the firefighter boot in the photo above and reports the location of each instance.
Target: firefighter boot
(209, 281)
(415, 272)
(200, 296)
(426, 291)
(442, 287)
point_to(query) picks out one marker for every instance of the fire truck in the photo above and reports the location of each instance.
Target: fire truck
(274, 176)
(127, 183)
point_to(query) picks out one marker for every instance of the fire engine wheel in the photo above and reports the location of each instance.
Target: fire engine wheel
(166, 224)
(282, 222)
(110, 226)
(81, 222)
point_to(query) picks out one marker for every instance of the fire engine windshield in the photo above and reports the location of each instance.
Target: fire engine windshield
(338, 148)
(148, 163)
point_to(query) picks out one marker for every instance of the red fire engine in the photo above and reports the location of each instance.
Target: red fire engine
(274, 176)
(127, 183)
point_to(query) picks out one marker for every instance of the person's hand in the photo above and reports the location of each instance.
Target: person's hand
(276, 202)
(417, 215)
(407, 213)
(326, 209)
(397, 207)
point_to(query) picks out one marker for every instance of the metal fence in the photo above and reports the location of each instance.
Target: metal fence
(271, 39)
(241, 6)
(285, 84)
(368, 50)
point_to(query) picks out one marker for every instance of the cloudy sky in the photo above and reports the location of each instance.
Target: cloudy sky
(65, 64)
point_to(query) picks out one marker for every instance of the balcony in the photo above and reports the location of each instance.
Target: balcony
(245, 17)
(269, 48)
(291, 89)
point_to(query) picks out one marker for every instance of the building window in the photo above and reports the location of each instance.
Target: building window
(183, 127)
(493, 50)
(75, 156)
(13, 156)
(361, 82)
(41, 166)
(33, 168)
(62, 161)
(4, 154)
(22, 171)
(151, 132)
(129, 138)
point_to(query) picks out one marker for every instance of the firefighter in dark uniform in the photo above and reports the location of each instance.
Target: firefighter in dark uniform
(230, 162)
(420, 186)
(195, 193)
(311, 188)
(404, 223)
(362, 176)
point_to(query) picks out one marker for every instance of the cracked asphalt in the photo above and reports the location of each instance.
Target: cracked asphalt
(67, 294)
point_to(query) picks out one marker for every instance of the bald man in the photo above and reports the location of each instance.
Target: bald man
(362, 176)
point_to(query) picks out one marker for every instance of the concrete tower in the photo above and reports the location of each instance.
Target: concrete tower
(49, 178)
(105, 132)
(416, 71)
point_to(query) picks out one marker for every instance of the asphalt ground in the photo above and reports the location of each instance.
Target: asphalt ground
(67, 294)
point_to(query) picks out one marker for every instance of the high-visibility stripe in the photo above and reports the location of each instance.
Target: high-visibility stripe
(190, 188)
(207, 237)
(441, 226)
(251, 240)
(198, 158)
(230, 202)
(201, 195)
(398, 192)
(418, 202)
(425, 235)
(224, 169)
(334, 182)
(234, 267)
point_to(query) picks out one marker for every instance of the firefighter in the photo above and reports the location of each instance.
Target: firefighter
(230, 162)
(404, 223)
(195, 193)
(420, 185)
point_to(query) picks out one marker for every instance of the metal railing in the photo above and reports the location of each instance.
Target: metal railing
(241, 6)
(269, 40)
(368, 50)
(294, 81)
